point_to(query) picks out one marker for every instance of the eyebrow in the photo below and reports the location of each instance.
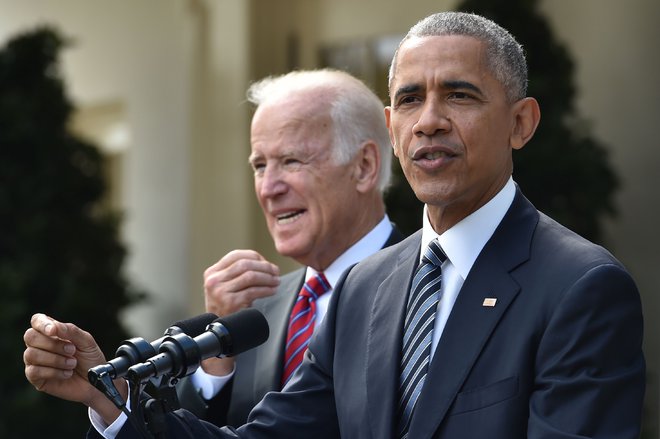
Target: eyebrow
(457, 85)
(253, 158)
(407, 89)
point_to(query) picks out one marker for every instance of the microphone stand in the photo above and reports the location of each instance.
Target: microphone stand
(149, 417)
(163, 399)
(148, 414)
(180, 355)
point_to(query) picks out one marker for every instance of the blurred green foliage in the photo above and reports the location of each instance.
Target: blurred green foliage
(59, 247)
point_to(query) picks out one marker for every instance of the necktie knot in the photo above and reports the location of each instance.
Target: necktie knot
(434, 254)
(315, 287)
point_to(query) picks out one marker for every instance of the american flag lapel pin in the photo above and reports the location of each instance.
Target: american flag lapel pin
(489, 301)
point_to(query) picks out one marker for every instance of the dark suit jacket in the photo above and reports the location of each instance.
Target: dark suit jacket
(259, 370)
(558, 356)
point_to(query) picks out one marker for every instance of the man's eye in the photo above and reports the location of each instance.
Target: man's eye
(258, 167)
(291, 162)
(459, 95)
(408, 100)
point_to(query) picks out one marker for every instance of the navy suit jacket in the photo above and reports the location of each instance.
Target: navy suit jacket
(558, 356)
(259, 370)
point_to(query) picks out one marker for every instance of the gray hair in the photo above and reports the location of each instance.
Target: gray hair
(505, 56)
(356, 112)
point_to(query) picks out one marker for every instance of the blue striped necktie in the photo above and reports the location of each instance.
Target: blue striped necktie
(418, 332)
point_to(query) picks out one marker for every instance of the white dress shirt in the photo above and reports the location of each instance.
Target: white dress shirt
(462, 244)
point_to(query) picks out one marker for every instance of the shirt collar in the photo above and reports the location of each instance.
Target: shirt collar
(464, 241)
(366, 246)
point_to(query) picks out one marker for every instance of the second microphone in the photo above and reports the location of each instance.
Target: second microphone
(181, 355)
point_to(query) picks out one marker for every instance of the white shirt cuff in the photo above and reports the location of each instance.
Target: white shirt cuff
(109, 431)
(209, 385)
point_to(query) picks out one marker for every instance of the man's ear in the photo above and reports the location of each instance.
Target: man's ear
(388, 123)
(526, 117)
(367, 164)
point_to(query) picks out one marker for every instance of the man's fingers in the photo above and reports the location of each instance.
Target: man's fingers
(250, 279)
(48, 326)
(83, 340)
(42, 359)
(239, 278)
(233, 256)
(37, 340)
(239, 267)
(51, 328)
(232, 302)
(39, 376)
(42, 366)
(236, 279)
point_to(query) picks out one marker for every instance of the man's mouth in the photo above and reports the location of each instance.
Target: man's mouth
(289, 217)
(434, 155)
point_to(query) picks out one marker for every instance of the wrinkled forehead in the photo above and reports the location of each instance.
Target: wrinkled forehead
(294, 125)
(418, 54)
(313, 99)
(296, 108)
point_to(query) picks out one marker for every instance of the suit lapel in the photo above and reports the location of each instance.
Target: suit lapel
(277, 310)
(384, 341)
(268, 375)
(470, 324)
(461, 344)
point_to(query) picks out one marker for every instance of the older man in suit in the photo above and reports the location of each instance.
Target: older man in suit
(322, 160)
(493, 321)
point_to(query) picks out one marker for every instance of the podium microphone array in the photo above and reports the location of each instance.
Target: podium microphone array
(181, 349)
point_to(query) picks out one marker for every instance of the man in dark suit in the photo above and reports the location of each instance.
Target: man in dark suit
(320, 184)
(518, 328)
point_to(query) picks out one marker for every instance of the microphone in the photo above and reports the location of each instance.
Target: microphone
(181, 355)
(137, 350)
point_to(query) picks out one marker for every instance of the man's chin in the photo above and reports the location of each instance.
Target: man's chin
(291, 250)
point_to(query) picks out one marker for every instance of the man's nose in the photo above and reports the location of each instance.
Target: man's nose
(433, 119)
(271, 183)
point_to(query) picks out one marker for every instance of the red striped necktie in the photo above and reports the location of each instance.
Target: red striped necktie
(301, 323)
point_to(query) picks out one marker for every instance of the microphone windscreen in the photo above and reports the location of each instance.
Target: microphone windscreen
(194, 326)
(248, 328)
